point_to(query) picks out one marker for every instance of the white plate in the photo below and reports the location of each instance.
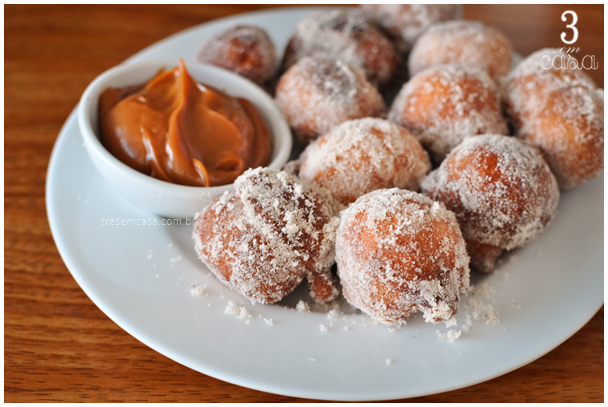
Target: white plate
(141, 276)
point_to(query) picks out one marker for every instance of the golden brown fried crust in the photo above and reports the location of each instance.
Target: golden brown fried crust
(572, 144)
(464, 42)
(483, 256)
(501, 191)
(559, 110)
(265, 237)
(360, 156)
(398, 255)
(347, 35)
(317, 94)
(216, 219)
(445, 104)
(246, 50)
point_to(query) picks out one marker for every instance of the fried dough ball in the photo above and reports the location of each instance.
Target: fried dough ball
(570, 132)
(442, 105)
(558, 109)
(265, 237)
(405, 22)
(501, 190)
(244, 49)
(318, 94)
(526, 88)
(360, 156)
(348, 35)
(398, 253)
(464, 42)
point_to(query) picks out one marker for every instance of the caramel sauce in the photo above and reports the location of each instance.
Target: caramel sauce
(180, 131)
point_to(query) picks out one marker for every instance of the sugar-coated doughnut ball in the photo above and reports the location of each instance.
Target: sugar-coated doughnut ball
(405, 22)
(570, 132)
(244, 49)
(526, 88)
(398, 253)
(318, 94)
(464, 42)
(348, 35)
(501, 190)
(265, 237)
(558, 108)
(360, 156)
(444, 104)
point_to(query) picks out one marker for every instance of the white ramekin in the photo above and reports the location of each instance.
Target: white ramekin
(156, 196)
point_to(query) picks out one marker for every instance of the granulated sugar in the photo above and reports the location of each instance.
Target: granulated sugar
(445, 104)
(359, 156)
(410, 215)
(405, 22)
(452, 335)
(344, 34)
(559, 109)
(302, 306)
(464, 42)
(240, 312)
(197, 290)
(480, 305)
(505, 206)
(273, 231)
(317, 94)
(249, 41)
(333, 314)
(451, 322)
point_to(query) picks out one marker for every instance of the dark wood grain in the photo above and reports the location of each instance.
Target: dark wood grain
(60, 347)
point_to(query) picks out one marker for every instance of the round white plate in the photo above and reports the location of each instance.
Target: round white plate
(141, 275)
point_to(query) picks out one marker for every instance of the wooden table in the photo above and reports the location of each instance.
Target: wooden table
(58, 346)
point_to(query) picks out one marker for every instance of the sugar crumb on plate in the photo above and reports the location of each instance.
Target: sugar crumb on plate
(451, 335)
(240, 312)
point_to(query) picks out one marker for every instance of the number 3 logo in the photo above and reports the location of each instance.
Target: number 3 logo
(571, 26)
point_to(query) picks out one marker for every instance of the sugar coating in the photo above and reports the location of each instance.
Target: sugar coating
(405, 22)
(560, 111)
(527, 86)
(344, 34)
(359, 156)
(570, 133)
(245, 49)
(500, 188)
(465, 42)
(444, 104)
(317, 94)
(265, 237)
(398, 253)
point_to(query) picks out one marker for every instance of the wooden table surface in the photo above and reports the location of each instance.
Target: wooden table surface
(58, 346)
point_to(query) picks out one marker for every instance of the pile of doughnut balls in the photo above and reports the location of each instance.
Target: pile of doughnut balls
(401, 184)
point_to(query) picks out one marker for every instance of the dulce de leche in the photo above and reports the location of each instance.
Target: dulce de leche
(181, 131)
